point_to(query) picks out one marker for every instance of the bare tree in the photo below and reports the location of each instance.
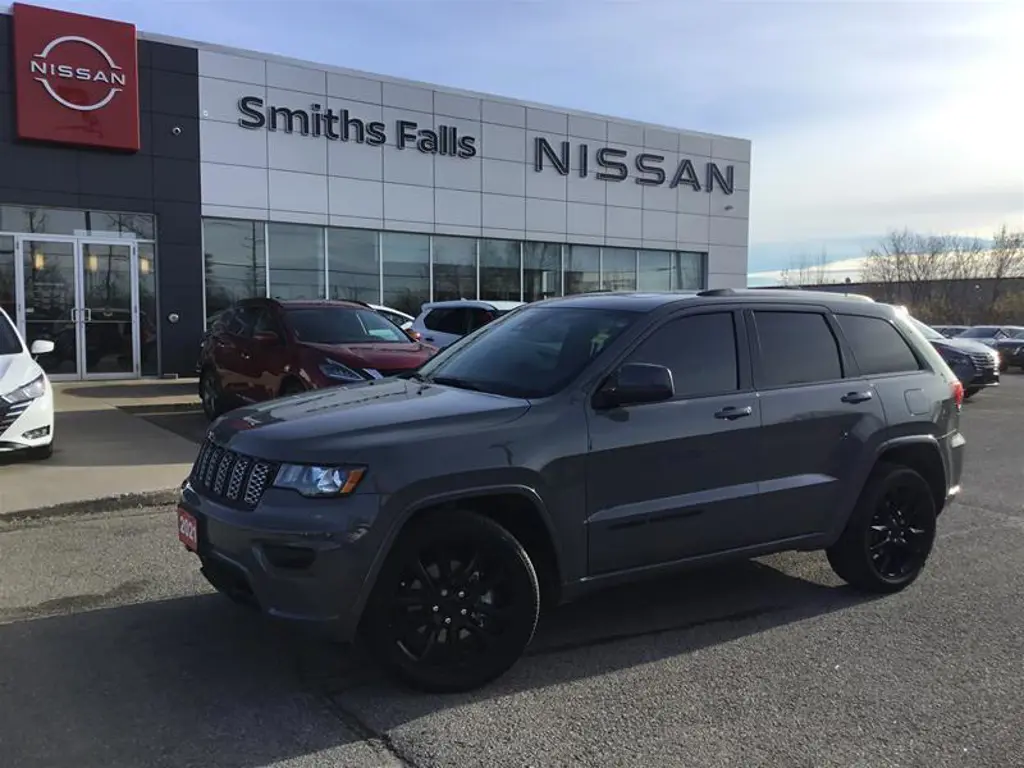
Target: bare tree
(889, 263)
(1006, 259)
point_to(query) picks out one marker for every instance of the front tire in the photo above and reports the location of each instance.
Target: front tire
(890, 534)
(41, 453)
(210, 394)
(455, 605)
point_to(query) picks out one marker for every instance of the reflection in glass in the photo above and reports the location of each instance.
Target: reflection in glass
(542, 271)
(235, 262)
(107, 290)
(7, 290)
(454, 268)
(148, 318)
(656, 271)
(690, 270)
(50, 302)
(138, 225)
(59, 221)
(296, 258)
(499, 270)
(618, 269)
(354, 263)
(406, 266)
(583, 269)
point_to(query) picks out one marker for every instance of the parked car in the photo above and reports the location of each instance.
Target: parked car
(950, 331)
(574, 444)
(975, 364)
(443, 322)
(261, 349)
(26, 397)
(1011, 350)
(396, 316)
(990, 334)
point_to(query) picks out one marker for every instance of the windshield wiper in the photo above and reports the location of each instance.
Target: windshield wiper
(454, 381)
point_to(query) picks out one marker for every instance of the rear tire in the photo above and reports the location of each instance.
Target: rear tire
(455, 605)
(969, 393)
(210, 395)
(890, 534)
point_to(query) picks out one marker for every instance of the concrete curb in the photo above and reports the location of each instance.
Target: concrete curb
(115, 503)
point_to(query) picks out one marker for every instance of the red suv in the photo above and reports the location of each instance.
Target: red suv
(260, 349)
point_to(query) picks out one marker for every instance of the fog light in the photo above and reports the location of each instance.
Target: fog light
(35, 434)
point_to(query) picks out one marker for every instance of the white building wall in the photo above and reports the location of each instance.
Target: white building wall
(259, 174)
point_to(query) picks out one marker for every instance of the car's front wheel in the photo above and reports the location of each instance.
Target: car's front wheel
(455, 604)
(210, 394)
(890, 534)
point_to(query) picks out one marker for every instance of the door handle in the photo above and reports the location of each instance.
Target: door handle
(856, 397)
(428, 338)
(731, 413)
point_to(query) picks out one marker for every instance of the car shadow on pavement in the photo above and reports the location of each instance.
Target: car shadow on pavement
(199, 681)
(179, 388)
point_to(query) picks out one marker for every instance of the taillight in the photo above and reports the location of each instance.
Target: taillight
(958, 393)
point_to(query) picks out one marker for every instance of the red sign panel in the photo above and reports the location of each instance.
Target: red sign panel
(76, 79)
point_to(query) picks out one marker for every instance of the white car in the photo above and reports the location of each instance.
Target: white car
(441, 323)
(397, 317)
(26, 397)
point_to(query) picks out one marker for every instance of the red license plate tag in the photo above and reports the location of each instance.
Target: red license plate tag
(188, 530)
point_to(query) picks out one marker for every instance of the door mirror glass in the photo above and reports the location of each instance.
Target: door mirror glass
(41, 347)
(636, 383)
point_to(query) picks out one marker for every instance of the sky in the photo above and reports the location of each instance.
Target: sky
(864, 116)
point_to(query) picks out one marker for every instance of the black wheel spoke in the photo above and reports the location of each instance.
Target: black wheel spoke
(423, 575)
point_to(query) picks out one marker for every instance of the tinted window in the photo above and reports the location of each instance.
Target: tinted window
(340, 325)
(700, 350)
(533, 352)
(446, 320)
(796, 348)
(266, 323)
(981, 332)
(877, 346)
(479, 316)
(243, 320)
(10, 344)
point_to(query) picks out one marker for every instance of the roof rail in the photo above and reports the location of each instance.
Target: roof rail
(717, 292)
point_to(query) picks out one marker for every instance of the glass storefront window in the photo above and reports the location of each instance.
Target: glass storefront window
(618, 269)
(235, 262)
(138, 225)
(454, 268)
(58, 221)
(148, 318)
(689, 270)
(499, 270)
(583, 269)
(406, 266)
(296, 258)
(657, 271)
(353, 260)
(542, 271)
(7, 276)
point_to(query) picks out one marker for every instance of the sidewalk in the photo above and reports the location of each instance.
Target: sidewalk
(102, 450)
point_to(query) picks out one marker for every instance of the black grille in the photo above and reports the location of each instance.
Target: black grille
(983, 361)
(8, 413)
(231, 478)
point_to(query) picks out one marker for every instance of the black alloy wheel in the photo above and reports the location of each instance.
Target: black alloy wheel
(209, 394)
(455, 605)
(890, 534)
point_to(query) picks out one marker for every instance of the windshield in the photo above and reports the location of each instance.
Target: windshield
(342, 325)
(10, 344)
(926, 330)
(533, 352)
(980, 332)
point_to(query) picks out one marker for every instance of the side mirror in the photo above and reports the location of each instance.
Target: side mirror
(266, 337)
(41, 347)
(636, 383)
(414, 335)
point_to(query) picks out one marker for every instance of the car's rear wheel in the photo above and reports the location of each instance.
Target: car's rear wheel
(455, 604)
(210, 394)
(890, 534)
(969, 393)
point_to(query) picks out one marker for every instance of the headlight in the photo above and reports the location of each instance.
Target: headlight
(332, 369)
(32, 390)
(319, 482)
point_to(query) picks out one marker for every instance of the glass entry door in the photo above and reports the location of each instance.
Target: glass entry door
(82, 295)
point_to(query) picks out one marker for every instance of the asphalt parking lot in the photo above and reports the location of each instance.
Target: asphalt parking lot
(113, 652)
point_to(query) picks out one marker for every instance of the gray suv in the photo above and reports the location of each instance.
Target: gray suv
(574, 444)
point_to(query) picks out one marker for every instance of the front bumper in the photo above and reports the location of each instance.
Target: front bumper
(298, 559)
(28, 424)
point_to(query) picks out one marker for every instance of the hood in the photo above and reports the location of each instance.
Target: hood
(335, 424)
(17, 371)
(966, 345)
(386, 356)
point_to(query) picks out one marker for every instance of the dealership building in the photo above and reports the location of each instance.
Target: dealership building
(148, 182)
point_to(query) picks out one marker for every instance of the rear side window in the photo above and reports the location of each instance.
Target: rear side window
(478, 316)
(446, 320)
(796, 348)
(877, 346)
(700, 350)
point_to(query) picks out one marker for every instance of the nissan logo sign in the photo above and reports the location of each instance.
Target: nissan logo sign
(56, 63)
